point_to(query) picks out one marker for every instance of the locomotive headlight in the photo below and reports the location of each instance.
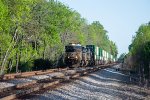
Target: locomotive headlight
(76, 57)
(68, 57)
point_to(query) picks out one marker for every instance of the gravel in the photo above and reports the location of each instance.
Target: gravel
(19, 81)
(70, 72)
(97, 86)
(5, 85)
(39, 77)
(15, 82)
(104, 84)
(80, 69)
(56, 74)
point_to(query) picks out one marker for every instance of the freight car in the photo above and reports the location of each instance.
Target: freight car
(77, 55)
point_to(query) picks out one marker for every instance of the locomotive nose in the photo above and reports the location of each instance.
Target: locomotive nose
(71, 55)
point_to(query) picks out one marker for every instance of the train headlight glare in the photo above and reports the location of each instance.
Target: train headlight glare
(76, 57)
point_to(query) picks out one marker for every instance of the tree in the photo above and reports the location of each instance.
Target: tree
(38, 30)
(140, 49)
(122, 57)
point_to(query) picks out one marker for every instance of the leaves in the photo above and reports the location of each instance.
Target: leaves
(39, 29)
(140, 48)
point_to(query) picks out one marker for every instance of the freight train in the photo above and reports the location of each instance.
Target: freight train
(77, 55)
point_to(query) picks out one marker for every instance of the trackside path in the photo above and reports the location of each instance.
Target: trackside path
(105, 84)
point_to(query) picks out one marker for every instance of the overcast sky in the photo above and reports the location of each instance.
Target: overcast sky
(121, 18)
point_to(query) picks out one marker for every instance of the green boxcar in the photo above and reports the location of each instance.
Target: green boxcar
(94, 51)
(97, 52)
(100, 53)
(109, 56)
(112, 58)
(103, 54)
(97, 57)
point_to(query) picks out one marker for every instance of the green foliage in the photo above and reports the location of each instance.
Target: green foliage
(41, 64)
(122, 57)
(3, 18)
(33, 34)
(97, 35)
(140, 48)
(145, 57)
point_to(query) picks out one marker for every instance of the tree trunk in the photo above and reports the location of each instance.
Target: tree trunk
(149, 71)
(35, 45)
(1, 56)
(17, 61)
(8, 50)
(10, 65)
(44, 52)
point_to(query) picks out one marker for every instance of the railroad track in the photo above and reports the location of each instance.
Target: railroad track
(20, 86)
(27, 74)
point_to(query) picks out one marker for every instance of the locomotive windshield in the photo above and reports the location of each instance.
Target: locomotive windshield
(73, 48)
(84, 49)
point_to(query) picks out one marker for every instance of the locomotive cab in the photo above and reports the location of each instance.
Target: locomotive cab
(73, 55)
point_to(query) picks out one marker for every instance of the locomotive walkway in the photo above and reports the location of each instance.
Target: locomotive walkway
(105, 84)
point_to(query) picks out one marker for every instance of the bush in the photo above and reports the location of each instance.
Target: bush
(26, 66)
(42, 64)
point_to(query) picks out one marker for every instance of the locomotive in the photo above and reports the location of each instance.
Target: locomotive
(77, 55)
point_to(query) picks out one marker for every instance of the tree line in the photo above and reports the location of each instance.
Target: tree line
(138, 57)
(33, 34)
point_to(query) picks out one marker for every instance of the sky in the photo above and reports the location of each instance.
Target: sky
(121, 18)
